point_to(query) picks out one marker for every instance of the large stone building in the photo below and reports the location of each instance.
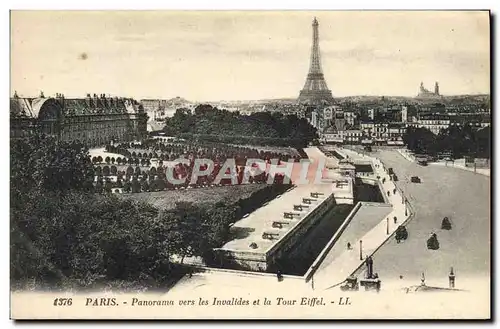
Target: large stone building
(433, 122)
(93, 120)
(425, 93)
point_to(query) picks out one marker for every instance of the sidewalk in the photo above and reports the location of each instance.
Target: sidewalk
(406, 155)
(482, 171)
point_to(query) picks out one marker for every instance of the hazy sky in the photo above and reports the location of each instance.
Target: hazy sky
(246, 55)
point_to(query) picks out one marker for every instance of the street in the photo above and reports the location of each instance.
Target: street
(462, 196)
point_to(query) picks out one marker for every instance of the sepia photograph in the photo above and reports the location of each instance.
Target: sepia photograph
(177, 165)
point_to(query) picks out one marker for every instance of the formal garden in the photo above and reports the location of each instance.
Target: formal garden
(145, 166)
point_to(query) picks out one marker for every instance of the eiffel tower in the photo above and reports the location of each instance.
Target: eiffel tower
(315, 90)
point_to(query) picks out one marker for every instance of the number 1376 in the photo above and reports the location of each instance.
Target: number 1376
(63, 302)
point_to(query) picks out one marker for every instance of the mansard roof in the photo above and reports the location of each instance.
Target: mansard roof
(30, 107)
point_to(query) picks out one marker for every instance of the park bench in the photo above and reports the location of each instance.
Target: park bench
(299, 207)
(279, 224)
(290, 215)
(316, 194)
(270, 236)
(307, 200)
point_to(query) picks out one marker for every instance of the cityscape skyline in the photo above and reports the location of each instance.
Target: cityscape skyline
(175, 52)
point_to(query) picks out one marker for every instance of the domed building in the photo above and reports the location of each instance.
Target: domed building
(93, 120)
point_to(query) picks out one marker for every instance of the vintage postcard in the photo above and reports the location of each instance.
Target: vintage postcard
(250, 165)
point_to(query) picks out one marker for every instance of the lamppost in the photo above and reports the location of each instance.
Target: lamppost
(313, 268)
(360, 249)
(387, 220)
(451, 278)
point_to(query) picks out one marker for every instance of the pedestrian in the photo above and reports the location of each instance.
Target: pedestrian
(349, 246)
(279, 276)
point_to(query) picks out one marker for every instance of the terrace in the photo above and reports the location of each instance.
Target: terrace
(261, 236)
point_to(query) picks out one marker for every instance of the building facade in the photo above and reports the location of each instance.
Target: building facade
(434, 122)
(94, 121)
(384, 133)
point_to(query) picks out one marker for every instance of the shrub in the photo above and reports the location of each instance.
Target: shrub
(446, 224)
(105, 171)
(432, 242)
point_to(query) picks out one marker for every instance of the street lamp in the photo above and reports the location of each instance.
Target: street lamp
(360, 249)
(387, 220)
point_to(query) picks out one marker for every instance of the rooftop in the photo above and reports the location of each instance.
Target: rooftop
(30, 107)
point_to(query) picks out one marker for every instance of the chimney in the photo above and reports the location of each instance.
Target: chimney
(15, 94)
(42, 95)
(88, 100)
(103, 99)
(96, 100)
(60, 98)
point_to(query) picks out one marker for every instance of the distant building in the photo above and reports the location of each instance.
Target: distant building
(93, 120)
(424, 93)
(372, 114)
(477, 120)
(384, 133)
(350, 117)
(345, 136)
(323, 117)
(160, 109)
(404, 114)
(434, 122)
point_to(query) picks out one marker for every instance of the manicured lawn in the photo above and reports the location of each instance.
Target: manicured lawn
(206, 195)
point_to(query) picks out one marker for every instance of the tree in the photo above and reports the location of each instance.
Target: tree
(99, 159)
(113, 170)
(446, 224)
(113, 160)
(106, 171)
(119, 160)
(98, 170)
(145, 186)
(108, 186)
(127, 187)
(107, 160)
(136, 186)
(420, 140)
(130, 171)
(43, 163)
(432, 242)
